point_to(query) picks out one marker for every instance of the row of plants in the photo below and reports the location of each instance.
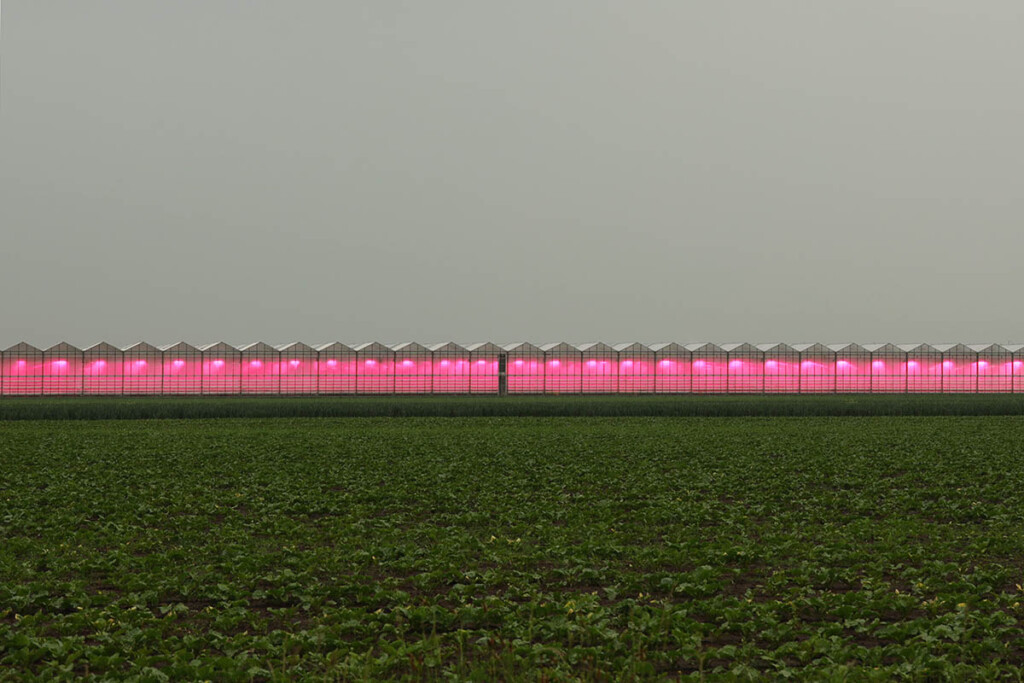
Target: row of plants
(708, 405)
(500, 549)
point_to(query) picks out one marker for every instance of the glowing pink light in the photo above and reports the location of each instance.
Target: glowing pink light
(370, 363)
(256, 363)
(735, 364)
(665, 363)
(20, 363)
(591, 363)
(878, 365)
(139, 363)
(61, 364)
(100, 364)
(947, 365)
(843, 364)
(555, 363)
(332, 363)
(808, 365)
(483, 362)
(519, 363)
(445, 363)
(407, 363)
(982, 364)
(627, 363)
(913, 365)
(218, 363)
(770, 364)
(296, 363)
(699, 364)
(177, 364)
(1017, 364)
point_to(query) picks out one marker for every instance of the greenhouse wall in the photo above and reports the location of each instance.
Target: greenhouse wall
(414, 370)
(995, 371)
(183, 370)
(924, 370)
(525, 369)
(451, 369)
(62, 371)
(959, 370)
(486, 368)
(261, 369)
(563, 369)
(298, 370)
(222, 370)
(853, 370)
(817, 369)
(745, 369)
(600, 369)
(143, 370)
(338, 369)
(709, 370)
(1018, 370)
(103, 370)
(22, 371)
(375, 369)
(636, 369)
(672, 368)
(781, 370)
(888, 370)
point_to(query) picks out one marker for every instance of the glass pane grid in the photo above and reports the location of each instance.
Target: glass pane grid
(557, 369)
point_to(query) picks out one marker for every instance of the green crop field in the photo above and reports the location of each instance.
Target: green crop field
(611, 548)
(686, 405)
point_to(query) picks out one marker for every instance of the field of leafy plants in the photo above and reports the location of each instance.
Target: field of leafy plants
(513, 548)
(664, 405)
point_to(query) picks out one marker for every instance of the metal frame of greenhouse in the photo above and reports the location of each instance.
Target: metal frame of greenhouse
(520, 368)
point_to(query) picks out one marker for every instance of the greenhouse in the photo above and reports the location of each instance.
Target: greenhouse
(221, 369)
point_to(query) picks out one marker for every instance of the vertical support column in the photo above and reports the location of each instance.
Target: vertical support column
(502, 374)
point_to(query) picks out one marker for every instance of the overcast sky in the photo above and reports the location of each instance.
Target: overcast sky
(531, 170)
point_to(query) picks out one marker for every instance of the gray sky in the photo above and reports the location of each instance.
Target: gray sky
(580, 170)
